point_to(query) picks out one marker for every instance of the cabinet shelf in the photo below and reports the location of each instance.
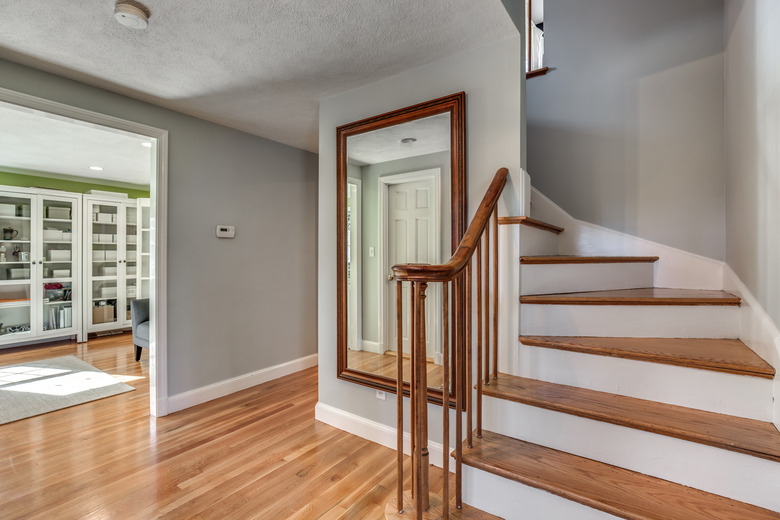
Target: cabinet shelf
(14, 263)
(9, 217)
(14, 304)
(14, 241)
(57, 262)
(15, 282)
(58, 280)
(64, 220)
(58, 302)
(104, 278)
(57, 241)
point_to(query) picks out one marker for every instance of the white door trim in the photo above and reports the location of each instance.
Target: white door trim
(384, 234)
(358, 267)
(158, 351)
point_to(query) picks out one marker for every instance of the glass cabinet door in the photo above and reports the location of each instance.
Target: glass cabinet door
(145, 240)
(58, 268)
(15, 264)
(131, 257)
(104, 221)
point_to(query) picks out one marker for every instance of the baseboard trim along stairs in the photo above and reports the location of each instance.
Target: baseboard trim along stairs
(637, 401)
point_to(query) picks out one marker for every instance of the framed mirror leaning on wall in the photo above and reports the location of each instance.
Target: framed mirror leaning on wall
(401, 198)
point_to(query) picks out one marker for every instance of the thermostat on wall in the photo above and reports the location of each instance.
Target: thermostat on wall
(226, 231)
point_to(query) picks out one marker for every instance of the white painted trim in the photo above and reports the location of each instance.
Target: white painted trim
(676, 268)
(757, 331)
(358, 230)
(158, 359)
(374, 431)
(236, 384)
(384, 236)
(372, 346)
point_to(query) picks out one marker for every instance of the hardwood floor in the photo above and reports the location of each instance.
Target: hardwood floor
(386, 365)
(258, 454)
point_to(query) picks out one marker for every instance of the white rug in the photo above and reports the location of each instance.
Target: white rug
(38, 387)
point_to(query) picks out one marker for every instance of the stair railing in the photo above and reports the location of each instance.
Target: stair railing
(462, 278)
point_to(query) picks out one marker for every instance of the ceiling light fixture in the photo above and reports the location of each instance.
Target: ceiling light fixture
(96, 168)
(408, 140)
(132, 14)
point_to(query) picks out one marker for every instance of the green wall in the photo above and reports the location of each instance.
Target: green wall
(32, 181)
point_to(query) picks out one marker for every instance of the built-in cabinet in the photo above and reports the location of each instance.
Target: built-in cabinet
(70, 264)
(112, 256)
(40, 268)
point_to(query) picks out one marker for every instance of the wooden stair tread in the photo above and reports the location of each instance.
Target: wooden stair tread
(564, 259)
(435, 510)
(720, 355)
(528, 221)
(614, 490)
(748, 436)
(644, 296)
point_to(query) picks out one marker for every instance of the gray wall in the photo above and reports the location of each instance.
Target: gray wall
(372, 278)
(491, 76)
(235, 306)
(627, 130)
(753, 147)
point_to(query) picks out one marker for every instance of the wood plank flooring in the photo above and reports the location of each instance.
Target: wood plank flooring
(721, 355)
(386, 365)
(645, 296)
(257, 454)
(617, 491)
(756, 438)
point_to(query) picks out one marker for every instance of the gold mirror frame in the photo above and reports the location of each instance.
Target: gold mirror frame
(455, 105)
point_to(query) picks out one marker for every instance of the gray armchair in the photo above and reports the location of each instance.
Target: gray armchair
(139, 313)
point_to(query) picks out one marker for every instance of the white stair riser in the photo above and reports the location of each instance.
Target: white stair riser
(565, 278)
(727, 473)
(689, 321)
(514, 501)
(718, 392)
(537, 242)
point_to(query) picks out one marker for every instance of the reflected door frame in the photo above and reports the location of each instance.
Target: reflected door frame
(387, 298)
(355, 314)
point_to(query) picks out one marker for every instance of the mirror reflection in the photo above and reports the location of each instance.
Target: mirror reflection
(398, 210)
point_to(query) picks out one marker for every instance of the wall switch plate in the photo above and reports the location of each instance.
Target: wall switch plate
(224, 231)
(380, 395)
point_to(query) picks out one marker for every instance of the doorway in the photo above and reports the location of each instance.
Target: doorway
(409, 209)
(158, 383)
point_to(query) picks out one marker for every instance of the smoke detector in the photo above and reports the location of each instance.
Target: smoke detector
(132, 14)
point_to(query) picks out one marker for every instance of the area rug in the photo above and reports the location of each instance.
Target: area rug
(39, 387)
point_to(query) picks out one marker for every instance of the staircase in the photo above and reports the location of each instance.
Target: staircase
(624, 400)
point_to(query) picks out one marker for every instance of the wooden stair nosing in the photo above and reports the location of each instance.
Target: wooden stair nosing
(530, 222)
(611, 489)
(729, 356)
(563, 259)
(643, 296)
(748, 436)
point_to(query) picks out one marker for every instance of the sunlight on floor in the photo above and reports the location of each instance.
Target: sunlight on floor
(125, 379)
(65, 385)
(18, 374)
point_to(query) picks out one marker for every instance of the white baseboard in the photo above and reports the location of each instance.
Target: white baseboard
(372, 346)
(757, 330)
(229, 386)
(374, 431)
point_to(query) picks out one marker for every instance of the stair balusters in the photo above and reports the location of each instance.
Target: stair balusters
(459, 321)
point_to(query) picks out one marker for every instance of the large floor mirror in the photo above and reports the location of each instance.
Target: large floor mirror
(401, 199)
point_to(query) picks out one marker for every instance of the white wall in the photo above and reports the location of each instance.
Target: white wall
(235, 306)
(626, 131)
(752, 96)
(492, 77)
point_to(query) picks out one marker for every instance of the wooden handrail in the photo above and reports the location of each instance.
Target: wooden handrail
(453, 267)
(458, 325)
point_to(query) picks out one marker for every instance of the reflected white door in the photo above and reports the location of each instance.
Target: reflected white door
(353, 265)
(412, 238)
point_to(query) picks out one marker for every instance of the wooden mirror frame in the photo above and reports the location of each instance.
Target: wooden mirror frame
(455, 105)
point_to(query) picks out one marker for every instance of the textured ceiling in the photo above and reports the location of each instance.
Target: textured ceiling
(432, 135)
(32, 141)
(258, 66)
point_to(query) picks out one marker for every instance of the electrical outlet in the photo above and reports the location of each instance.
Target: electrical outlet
(380, 395)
